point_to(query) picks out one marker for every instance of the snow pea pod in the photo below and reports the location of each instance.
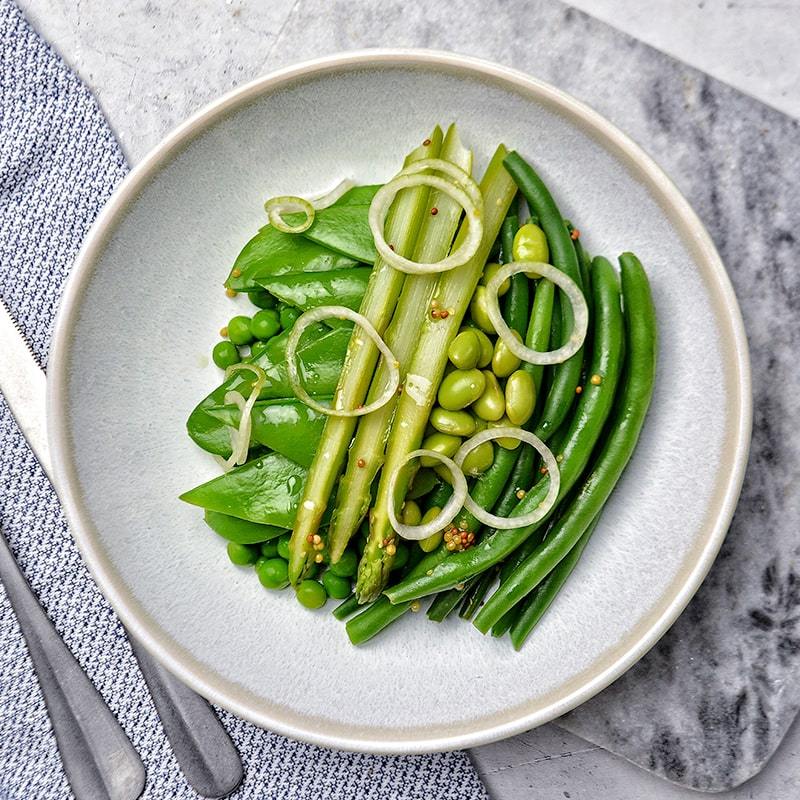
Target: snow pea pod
(241, 531)
(320, 355)
(266, 490)
(287, 426)
(272, 252)
(342, 287)
(343, 229)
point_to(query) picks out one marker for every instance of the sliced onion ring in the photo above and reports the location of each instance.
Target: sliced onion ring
(508, 523)
(240, 437)
(570, 289)
(329, 198)
(416, 533)
(276, 207)
(459, 186)
(340, 312)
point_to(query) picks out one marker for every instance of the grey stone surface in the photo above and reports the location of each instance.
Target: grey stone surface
(709, 705)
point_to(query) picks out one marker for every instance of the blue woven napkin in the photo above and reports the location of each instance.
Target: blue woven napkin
(59, 162)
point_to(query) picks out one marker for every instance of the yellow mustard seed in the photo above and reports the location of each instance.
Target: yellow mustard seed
(596, 380)
(231, 292)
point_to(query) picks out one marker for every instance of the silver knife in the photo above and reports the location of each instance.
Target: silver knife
(202, 747)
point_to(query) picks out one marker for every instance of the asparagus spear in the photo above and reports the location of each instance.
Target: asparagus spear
(366, 452)
(377, 306)
(453, 293)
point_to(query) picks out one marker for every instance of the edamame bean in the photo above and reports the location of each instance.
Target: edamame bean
(239, 330)
(311, 594)
(429, 544)
(489, 271)
(439, 443)
(335, 585)
(283, 546)
(410, 513)
(225, 354)
(265, 324)
(504, 362)
(346, 566)
(530, 244)
(487, 349)
(243, 554)
(455, 423)
(477, 461)
(505, 442)
(465, 350)
(520, 396)
(479, 310)
(491, 405)
(461, 388)
(273, 573)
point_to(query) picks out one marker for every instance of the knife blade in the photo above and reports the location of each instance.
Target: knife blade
(204, 751)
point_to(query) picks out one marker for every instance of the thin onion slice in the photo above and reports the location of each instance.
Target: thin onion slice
(459, 186)
(329, 198)
(240, 437)
(508, 523)
(276, 207)
(570, 289)
(416, 533)
(340, 312)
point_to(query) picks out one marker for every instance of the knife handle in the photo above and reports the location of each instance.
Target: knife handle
(98, 758)
(204, 751)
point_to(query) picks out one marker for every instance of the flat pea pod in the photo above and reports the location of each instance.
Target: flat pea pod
(479, 459)
(489, 271)
(440, 443)
(241, 531)
(530, 244)
(562, 255)
(465, 350)
(491, 404)
(461, 388)
(520, 394)
(594, 407)
(504, 362)
(615, 453)
(479, 311)
(456, 423)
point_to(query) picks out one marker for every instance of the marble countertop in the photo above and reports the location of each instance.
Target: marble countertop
(713, 700)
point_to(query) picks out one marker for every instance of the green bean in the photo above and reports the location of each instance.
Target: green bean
(503, 625)
(562, 255)
(587, 425)
(478, 591)
(446, 602)
(528, 613)
(623, 434)
(378, 305)
(516, 310)
(347, 607)
(380, 613)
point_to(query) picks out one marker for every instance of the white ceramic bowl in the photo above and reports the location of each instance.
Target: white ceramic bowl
(130, 359)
